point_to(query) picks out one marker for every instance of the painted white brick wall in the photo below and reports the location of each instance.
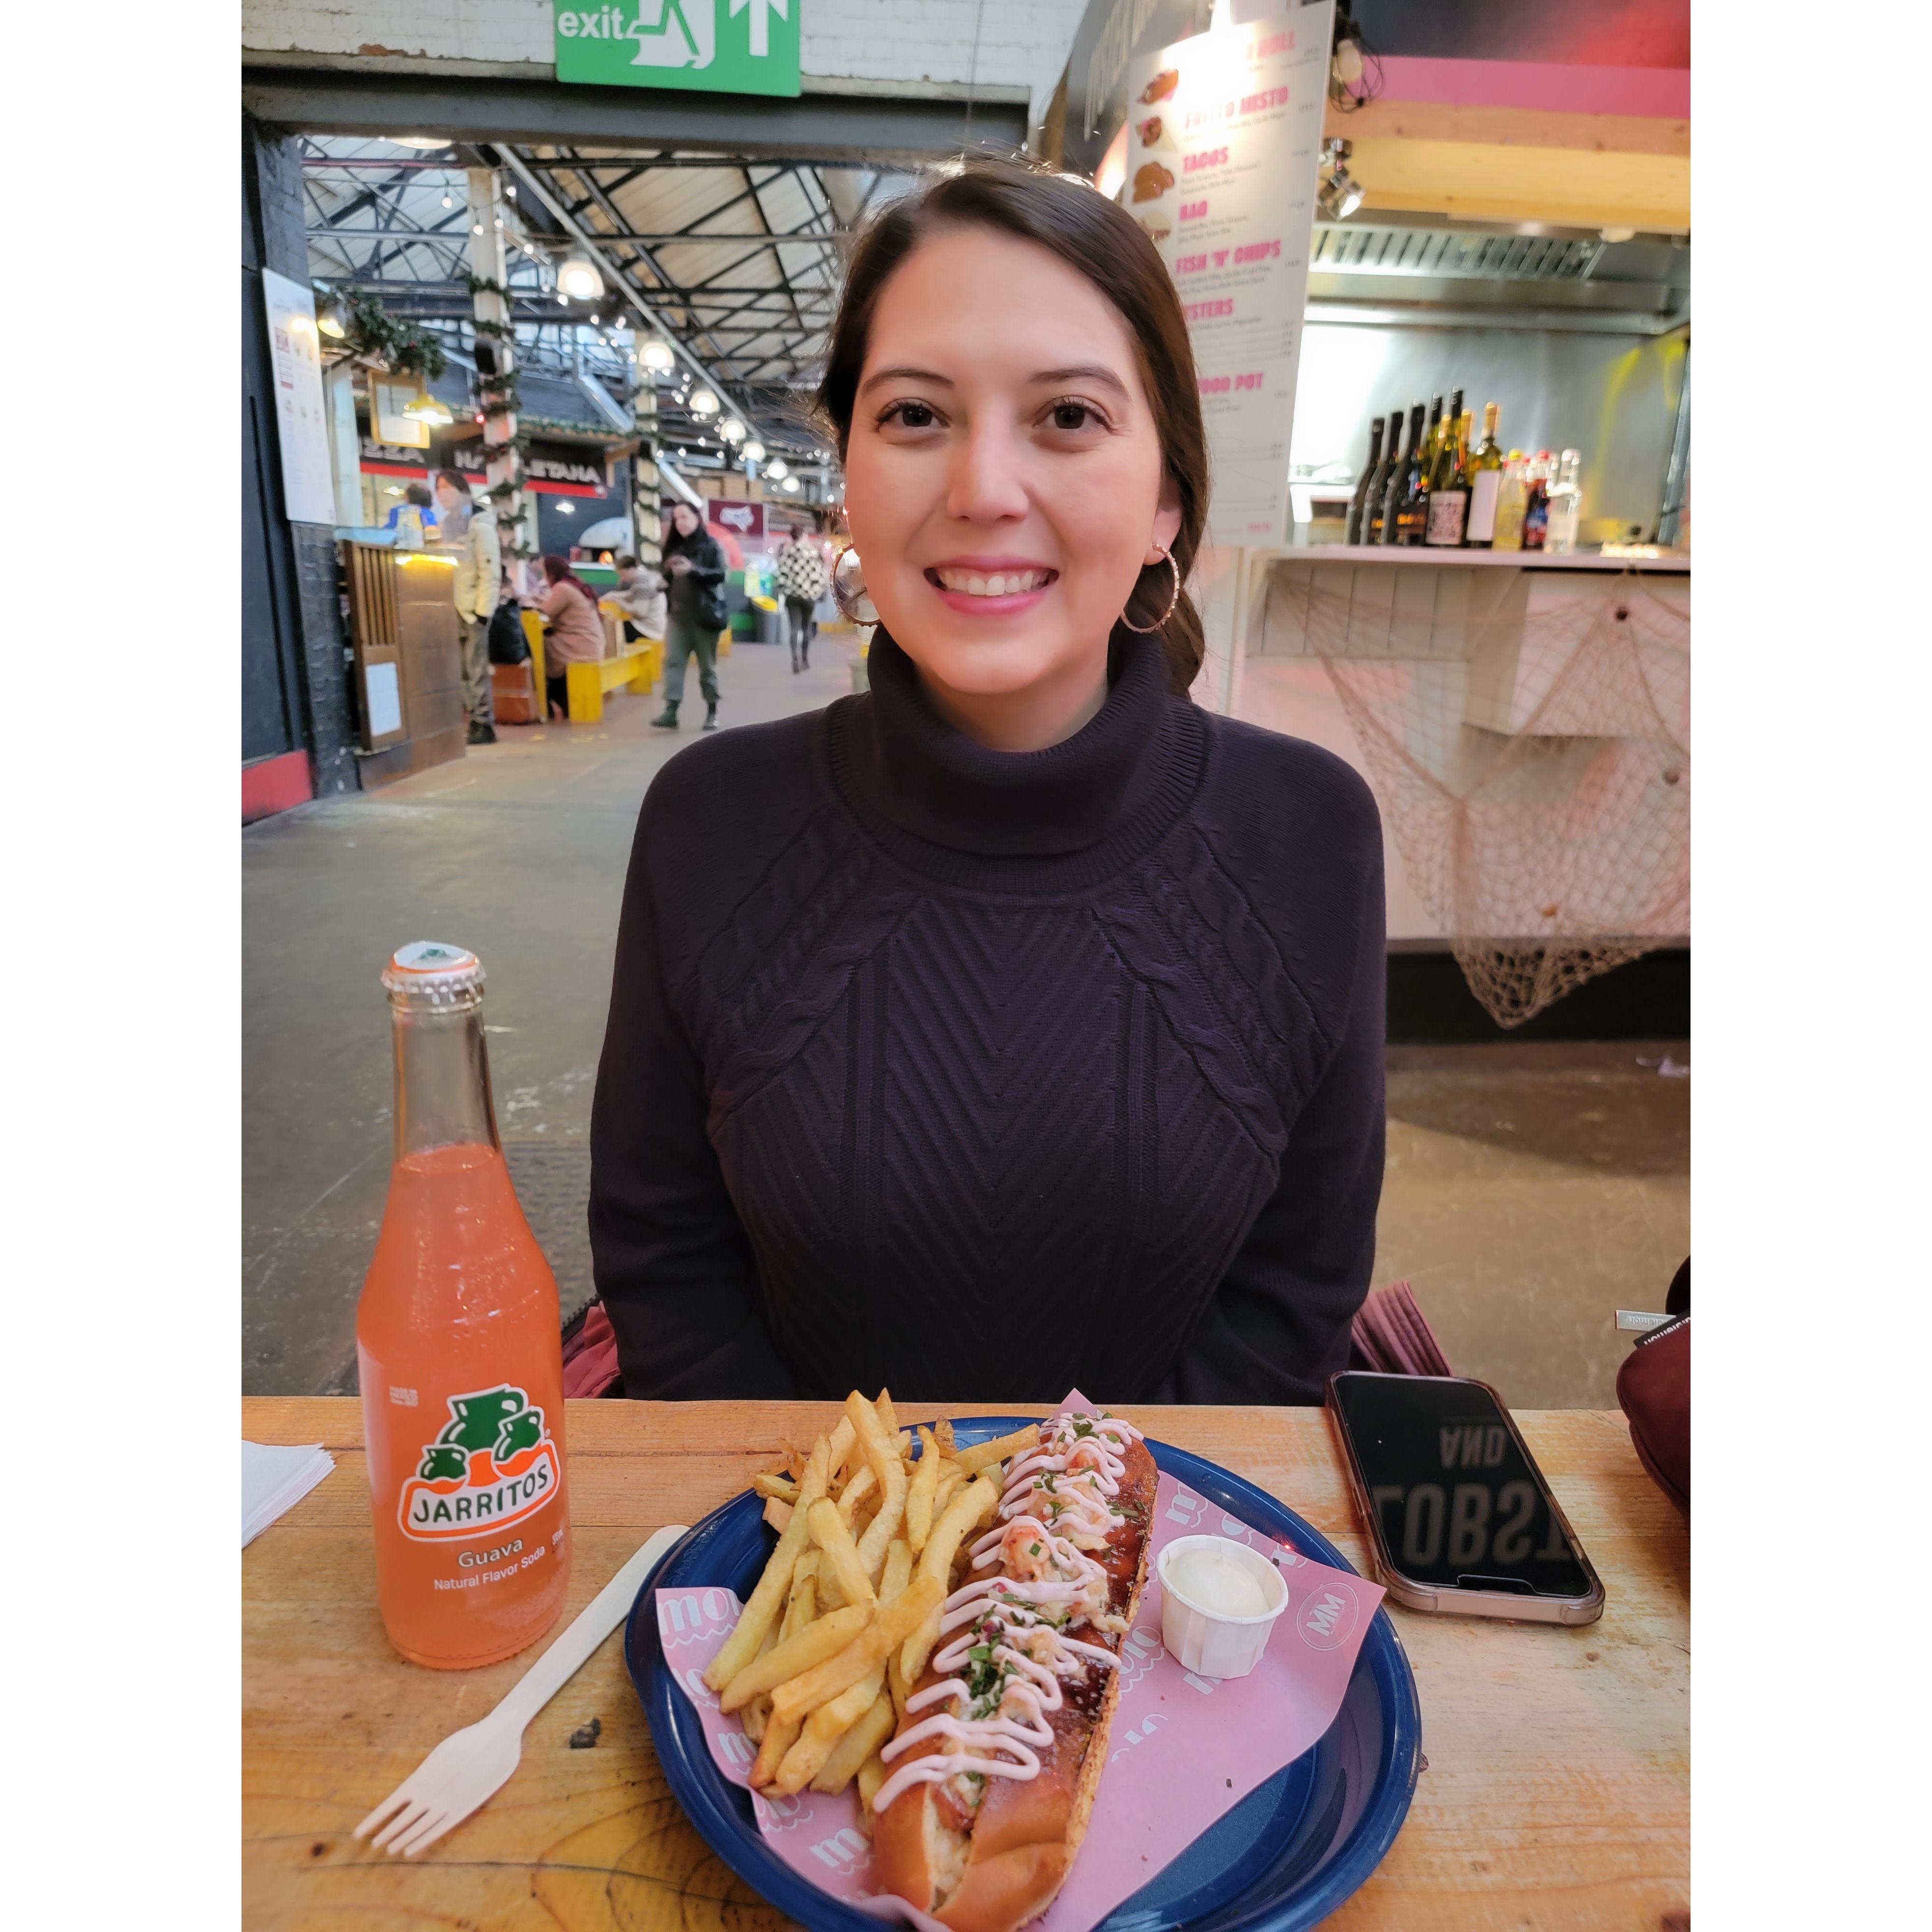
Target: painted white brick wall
(1021, 43)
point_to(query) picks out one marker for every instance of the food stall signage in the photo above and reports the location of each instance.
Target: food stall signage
(717, 46)
(1224, 134)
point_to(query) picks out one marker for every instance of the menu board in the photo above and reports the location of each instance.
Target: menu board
(294, 354)
(1224, 139)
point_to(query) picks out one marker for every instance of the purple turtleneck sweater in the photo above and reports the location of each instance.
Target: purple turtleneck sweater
(981, 1074)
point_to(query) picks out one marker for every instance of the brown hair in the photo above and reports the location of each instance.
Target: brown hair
(1069, 216)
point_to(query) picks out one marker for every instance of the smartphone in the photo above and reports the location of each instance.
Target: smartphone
(1458, 1514)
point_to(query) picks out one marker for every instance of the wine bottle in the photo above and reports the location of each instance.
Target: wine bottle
(1360, 504)
(1510, 501)
(1566, 496)
(1536, 503)
(1449, 483)
(1409, 496)
(1486, 476)
(1371, 522)
(1398, 473)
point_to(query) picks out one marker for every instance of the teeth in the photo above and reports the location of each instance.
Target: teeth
(1010, 585)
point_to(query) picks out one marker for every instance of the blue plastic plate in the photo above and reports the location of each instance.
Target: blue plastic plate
(1284, 1858)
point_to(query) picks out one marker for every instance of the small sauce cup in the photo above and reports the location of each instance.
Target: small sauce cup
(1208, 1641)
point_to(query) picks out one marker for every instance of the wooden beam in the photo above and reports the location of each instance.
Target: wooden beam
(1510, 127)
(1488, 181)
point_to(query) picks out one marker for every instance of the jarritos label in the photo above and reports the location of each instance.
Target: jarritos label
(493, 1464)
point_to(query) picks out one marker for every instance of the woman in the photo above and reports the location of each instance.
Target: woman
(573, 632)
(696, 567)
(1017, 1024)
(640, 595)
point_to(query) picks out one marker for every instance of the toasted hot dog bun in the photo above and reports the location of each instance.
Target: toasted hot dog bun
(1005, 1866)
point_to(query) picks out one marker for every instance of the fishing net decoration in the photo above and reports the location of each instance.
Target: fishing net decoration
(1530, 755)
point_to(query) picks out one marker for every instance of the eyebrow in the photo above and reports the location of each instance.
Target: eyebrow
(1085, 372)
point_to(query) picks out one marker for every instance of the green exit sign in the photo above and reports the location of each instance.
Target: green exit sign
(723, 46)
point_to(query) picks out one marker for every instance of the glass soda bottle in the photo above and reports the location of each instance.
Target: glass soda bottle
(458, 1342)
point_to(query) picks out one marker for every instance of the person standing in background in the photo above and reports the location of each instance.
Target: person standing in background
(479, 572)
(802, 579)
(696, 566)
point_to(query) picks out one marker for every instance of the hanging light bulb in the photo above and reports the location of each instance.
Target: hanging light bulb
(578, 277)
(704, 402)
(754, 451)
(790, 486)
(732, 430)
(656, 355)
(449, 201)
(332, 318)
(776, 470)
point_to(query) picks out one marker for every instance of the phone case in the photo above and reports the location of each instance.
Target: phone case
(1431, 1598)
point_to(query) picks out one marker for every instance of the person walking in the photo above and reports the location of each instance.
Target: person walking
(573, 632)
(479, 575)
(802, 579)
(696, 567)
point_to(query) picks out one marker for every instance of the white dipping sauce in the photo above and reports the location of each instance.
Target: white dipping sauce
(1218, 1583)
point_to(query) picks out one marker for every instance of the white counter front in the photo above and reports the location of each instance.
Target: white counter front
(1523, 719)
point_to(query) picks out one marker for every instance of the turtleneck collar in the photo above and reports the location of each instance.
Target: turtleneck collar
(1086, 803)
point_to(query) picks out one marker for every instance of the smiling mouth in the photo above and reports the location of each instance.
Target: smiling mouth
(991, 584)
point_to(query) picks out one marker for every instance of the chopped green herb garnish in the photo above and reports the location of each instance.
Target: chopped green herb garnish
(1033, 1549)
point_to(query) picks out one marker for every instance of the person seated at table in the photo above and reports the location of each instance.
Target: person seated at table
(1017, 1024)
(640, 594)
(573, 632)
(416, 497)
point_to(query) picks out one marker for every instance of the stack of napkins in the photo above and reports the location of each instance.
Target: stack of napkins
(275, 1479)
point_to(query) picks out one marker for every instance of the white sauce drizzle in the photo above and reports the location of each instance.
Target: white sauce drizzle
(1047, 1518)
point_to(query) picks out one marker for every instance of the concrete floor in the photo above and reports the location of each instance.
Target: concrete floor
(1531, 1190)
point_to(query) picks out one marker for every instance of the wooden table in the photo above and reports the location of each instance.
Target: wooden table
(1556, 1790)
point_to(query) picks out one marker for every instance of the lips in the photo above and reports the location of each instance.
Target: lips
(1011, 580)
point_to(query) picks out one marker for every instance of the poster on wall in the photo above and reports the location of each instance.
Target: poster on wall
(301, 421)
(1224, 141)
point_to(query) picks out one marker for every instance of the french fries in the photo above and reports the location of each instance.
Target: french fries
(742, 1645)
(982, 1455)
(839, 1627)
(891, 1623)
(965, 1513)
(796, 1654)
(881, 1450)
(858, 1744)
(920, 1492)
(838, 1557)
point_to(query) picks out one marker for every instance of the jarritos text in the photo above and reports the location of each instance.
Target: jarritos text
(494, 1464)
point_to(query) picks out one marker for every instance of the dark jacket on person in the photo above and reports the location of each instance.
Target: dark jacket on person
(974, 1073)
(692, 590)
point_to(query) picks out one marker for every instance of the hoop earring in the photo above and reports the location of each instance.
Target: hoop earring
(1147, 630)
(851, 613)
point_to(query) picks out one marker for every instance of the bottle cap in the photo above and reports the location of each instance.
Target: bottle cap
(433, 972)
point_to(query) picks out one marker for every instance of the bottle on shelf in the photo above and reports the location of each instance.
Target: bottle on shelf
(1449, 483)
(1536, 502)
(1510, 499)
(1566, 498)
(1359, 506)
(457, 1343)
(1372, 521)
(1486, 476)
(1405, 518)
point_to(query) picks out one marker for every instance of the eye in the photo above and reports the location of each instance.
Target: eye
(1070, 416)
(909, 413)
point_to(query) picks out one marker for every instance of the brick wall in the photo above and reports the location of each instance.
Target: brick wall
(1021, 43)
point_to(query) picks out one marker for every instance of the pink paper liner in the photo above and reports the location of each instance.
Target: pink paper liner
(1183, 1751)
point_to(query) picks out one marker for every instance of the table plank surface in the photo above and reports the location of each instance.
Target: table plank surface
(1556, 1794)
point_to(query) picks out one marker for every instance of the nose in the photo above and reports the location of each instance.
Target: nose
(987, 482)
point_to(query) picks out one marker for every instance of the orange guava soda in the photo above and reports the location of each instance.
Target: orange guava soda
(458, 1343)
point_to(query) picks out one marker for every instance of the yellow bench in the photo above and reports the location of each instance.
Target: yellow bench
(636, 669)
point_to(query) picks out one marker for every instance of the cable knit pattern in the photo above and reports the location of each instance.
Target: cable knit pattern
(984, 1074)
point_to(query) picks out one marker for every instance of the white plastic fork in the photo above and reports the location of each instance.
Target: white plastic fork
(470, 1766)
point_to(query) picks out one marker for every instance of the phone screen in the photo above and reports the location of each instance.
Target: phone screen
(1459, 1504)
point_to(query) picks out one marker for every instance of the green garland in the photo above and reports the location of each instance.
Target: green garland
(405, 348)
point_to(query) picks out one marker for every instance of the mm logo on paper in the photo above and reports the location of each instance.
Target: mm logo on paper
(493, 1464)
(721, 46)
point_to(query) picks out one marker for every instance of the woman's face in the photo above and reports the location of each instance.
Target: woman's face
(1004, 478)
(685, 518)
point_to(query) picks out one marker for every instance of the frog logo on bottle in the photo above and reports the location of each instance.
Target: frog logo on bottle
(494, 1464)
